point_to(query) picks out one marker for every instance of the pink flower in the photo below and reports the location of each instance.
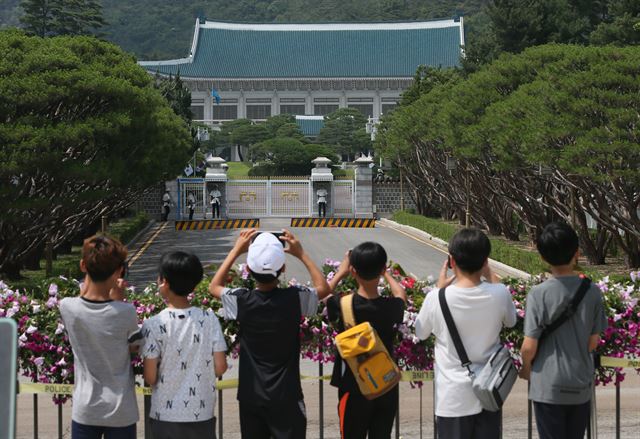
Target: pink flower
(53, 289)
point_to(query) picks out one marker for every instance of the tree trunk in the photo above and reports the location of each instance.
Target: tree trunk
(32, 260)
(11, 270)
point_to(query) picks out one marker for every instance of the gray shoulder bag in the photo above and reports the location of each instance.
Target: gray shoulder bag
(494, 382)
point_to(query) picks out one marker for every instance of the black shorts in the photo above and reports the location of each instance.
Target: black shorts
(277, 421)
(183, 430)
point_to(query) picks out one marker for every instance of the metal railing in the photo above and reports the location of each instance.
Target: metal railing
(57, 390)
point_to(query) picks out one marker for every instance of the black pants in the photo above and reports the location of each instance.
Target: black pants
(183, 430)
(556, 421)
(191, 213)
(165, 213)
(322, 210)
(215, 210)
(273, 421)
(360, 416)
(484, 425)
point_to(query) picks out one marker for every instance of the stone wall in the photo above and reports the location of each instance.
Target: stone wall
(386, 197)
(151, 202)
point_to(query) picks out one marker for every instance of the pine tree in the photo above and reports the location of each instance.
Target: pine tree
(38, 16)
(61, 17)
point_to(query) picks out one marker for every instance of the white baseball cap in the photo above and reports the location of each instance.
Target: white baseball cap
(266, 254)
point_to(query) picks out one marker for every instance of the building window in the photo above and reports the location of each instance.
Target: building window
(366, 110)
(197, 112)
(326, 100)
(292, 109)
(258, 111)
(323, 110)
(225, 112)
(292, 100)
(358, 100)
(258, 100)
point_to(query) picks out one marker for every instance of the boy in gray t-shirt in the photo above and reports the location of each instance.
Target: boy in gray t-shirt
(100, 326)
(560, 367)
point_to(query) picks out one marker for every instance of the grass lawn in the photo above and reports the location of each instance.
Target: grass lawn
(520, 255)
(68, 265)
(238, 169)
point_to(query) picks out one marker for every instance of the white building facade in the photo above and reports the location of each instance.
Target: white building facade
(255, 71)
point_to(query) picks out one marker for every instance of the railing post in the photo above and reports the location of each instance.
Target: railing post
(321, 396)
(435, 419)
(529, 415)
(421, 410)
(220, 419)
(59, 419)
(147, 410)
(617, 409)
(398, 418)
(35, 416)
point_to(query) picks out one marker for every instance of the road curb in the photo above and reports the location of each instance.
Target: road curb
(133, 241)
(509, 270)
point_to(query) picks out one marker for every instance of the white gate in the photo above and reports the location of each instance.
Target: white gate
(266, 198)
(343, 198)
(247, 198)
(290, 198)
(195, 187)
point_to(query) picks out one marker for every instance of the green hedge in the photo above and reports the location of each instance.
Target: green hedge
(125, 229)
(501, 250)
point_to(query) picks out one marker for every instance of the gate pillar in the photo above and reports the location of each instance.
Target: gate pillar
(215, 187)
(364, 187)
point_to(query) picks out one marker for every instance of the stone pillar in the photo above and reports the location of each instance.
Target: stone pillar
(216, 181)
(321, 178)
(364, 188)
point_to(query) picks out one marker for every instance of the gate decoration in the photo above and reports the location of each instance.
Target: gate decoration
(247, 198)
(290, 198)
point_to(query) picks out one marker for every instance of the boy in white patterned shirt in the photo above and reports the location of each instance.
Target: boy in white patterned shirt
(183, 353)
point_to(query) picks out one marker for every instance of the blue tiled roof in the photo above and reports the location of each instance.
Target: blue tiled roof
(379, 50)
(310, 127)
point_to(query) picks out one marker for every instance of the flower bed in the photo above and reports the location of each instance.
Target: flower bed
(45, 355)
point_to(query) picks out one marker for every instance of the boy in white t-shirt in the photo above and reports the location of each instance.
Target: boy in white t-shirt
(479, 309)
(183, 353)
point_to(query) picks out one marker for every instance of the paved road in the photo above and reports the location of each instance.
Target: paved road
(211, 246)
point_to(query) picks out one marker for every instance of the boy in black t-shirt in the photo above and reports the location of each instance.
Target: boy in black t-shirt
(269, 391)
(359, 416)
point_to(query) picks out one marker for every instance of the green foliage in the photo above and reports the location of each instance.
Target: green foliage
(287, 156)
(177, 94)
(127, 228)
(569, 109)
(501, 251)
(80, 118)
(622, 26)
(345, 130)
(61, 17)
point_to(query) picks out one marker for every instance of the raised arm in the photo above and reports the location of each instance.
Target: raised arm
(241, 246)
(341, 273)
(317, 278)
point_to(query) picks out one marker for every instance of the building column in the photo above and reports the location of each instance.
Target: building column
(242, 107)
(308, 104)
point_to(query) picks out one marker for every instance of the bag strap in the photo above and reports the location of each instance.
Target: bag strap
(346, 307)
(455, 336)
(569, 311)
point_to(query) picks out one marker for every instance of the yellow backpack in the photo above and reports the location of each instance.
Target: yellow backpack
(360, 346)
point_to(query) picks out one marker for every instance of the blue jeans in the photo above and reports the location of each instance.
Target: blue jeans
(81, 431)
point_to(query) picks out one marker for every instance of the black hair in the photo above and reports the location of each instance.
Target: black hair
(368, 260)
(470, 248)
(558, 243)
(262, 278)
(183, 271)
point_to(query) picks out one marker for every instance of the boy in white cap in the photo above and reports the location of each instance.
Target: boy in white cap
(269, 391)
